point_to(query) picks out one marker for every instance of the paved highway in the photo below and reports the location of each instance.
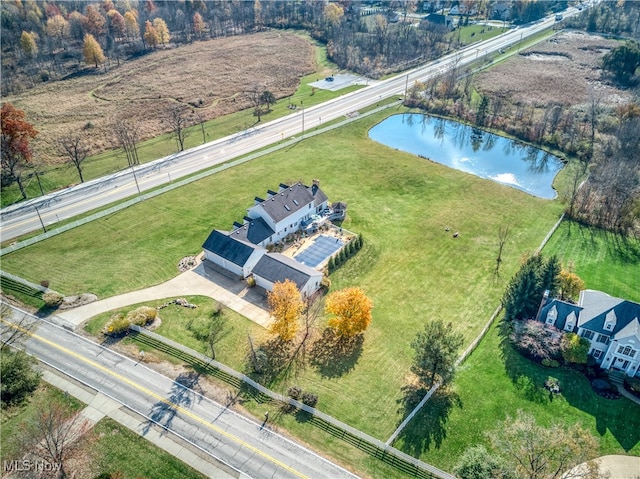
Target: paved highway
(233, 439)
(29, 216)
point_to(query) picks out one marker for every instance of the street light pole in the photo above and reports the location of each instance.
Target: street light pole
(136, 179)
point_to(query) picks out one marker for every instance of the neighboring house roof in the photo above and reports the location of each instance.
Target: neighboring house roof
(339, 206)
(276, 267)
(287, 202)
(254, 231)
(596, 305)
(220, 243)
(563, 309)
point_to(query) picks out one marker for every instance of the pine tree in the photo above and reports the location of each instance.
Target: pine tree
(92, 50)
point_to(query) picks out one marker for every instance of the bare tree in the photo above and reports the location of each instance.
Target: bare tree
(200, 118)
(128, 133)
(177, 118)
(503, 235)
(57, 435)
(74, 147)
(14, 329)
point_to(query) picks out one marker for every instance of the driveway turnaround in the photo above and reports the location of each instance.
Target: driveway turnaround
(203, 280)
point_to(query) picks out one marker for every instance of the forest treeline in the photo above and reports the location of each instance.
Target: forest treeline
(44, 41)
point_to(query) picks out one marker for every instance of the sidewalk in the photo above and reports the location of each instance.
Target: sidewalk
(100, 406)
(202, 280)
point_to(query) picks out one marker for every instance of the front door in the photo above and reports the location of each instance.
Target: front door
(621, 364)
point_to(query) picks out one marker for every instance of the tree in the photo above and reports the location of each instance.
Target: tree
(131, 27)
(436, 350)
(57, 435)
(127, 132)
(259, 98)
(93, 21)
(333, 13)
(503, 235)
(623, 61)
(57, 27)
(351, 309)
(574, 348)
(570, 284)
(177, 121)
(478, 463)
(19, 379)
(536, 452)
(16, 149)
(285, 305)
(28, 44)
(198, 25)
(92, 50)
(14, 330)
(162, 30)
(150, 36)
(73, 146)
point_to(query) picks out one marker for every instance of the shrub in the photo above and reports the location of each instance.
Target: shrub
(534, 340)
(294, 392)
(251, 281)
(632, 385)
(53, 300)
(142, 315)
(550, 363)
(574, 348)
(44, 283)
(310, 399)
(117, 325)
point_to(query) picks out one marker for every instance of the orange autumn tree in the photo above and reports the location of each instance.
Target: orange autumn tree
(351, 309)
(285, 305)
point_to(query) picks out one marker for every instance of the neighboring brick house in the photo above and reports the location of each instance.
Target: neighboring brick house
(243, 252)
(612, 326)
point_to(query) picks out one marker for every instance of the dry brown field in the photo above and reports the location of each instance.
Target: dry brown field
(209, 76)
(563, 70)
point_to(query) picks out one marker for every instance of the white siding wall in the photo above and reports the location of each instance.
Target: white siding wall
(616, 360)
(220, 261)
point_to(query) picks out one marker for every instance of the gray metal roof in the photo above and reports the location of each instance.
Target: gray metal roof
(276, 267)
(228, 248)
(254, 231)
(287, 202)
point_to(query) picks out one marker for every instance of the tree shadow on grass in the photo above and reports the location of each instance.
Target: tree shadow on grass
(183, 394)
(427, 428)
(333, 356)
(269, 361)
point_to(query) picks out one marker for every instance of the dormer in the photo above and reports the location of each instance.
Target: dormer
(610, 321)
(552, 315)
(570, 323)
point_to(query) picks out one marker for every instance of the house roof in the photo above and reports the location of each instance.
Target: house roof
(287, 202)
(339, 206)
(220, 243)
(596, 305)
(630, 330)
(254, 231)
(317, 193)
(276, 267)
(563, 308)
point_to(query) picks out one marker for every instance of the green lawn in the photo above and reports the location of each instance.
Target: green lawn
(487, 390)
(231, 346)
(410, 266)
(476, 33)
(605, 261)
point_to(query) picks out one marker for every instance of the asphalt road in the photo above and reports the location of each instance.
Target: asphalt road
(47, 210)
(245, 445)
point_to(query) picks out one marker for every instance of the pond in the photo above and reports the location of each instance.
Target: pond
(472, 150)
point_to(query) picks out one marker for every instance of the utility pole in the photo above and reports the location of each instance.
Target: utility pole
(40, 218)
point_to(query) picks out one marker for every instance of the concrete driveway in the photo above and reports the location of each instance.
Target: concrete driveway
(203, 280)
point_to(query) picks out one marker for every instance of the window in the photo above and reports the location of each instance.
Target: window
(608, 326)
(588, 334)
(602, 338)
(627, 351)
(569, 326)
(596, 353)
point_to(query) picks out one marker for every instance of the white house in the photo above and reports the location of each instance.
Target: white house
(243, 252)
(283, 212)
(611, 325)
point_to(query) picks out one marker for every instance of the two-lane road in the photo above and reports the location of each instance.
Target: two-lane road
(49, 209)
(233, 439)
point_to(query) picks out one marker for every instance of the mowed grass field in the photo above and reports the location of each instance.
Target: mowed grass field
(605, 261)
(411, 267)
